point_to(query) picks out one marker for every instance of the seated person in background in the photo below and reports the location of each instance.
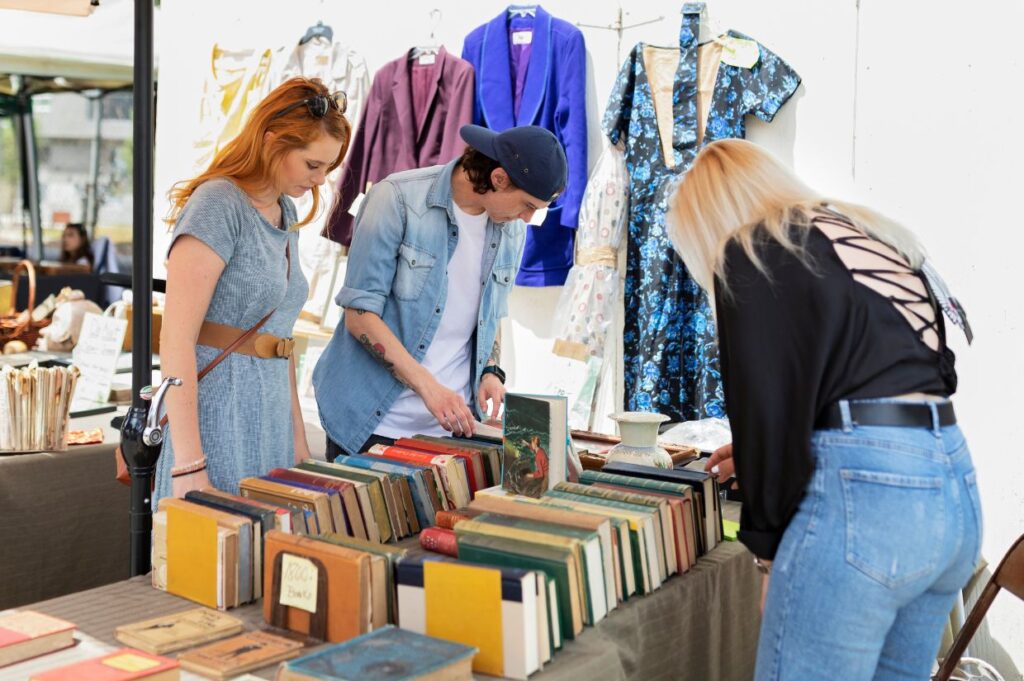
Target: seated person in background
(75, 248)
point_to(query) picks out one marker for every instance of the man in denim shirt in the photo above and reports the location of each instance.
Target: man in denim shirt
(432, 262)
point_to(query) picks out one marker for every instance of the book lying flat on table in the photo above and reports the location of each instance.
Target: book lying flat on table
(181, 630)
(121, 665)
(28, 634)
(226, 659)
(387, 654)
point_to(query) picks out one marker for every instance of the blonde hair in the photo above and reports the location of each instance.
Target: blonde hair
(737, 191)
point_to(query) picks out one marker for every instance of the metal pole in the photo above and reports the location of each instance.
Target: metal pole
(142, 268)
(30, 174)
(92, 196)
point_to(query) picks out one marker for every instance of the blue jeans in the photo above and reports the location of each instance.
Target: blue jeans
(869, 567)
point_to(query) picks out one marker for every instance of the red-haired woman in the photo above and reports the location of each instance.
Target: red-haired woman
(233, 261)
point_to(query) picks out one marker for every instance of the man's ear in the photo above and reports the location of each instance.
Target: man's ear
(500, 179)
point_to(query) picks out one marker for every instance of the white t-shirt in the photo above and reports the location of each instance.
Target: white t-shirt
(450, 354)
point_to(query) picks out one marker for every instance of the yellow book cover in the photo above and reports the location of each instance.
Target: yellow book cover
(463, 604)
(192, 555)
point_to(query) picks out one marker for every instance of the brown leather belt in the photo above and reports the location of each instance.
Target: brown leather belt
(262, 345)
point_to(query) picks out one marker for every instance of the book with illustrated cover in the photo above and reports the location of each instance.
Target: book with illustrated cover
(387, 654)
(28, 634)
(181, 630)
(230, 657)
(534, 445)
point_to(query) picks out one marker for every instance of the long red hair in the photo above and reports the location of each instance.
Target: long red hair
(251, 163)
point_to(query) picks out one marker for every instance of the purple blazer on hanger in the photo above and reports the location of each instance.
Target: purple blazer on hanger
(411, 119)
(531, 70)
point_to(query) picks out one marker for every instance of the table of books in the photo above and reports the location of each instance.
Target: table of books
(699, 625)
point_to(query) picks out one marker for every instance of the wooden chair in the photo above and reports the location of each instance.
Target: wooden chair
(1010, 576)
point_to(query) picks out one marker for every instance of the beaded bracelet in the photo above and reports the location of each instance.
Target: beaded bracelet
(189, 469)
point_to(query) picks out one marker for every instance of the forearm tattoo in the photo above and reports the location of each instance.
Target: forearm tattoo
(495, 357)
(377, 351)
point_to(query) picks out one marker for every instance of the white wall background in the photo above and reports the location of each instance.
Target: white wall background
(908, 107)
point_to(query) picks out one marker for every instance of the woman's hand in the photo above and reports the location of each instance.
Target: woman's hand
(721, 465)
(183, 484)
(491, 390)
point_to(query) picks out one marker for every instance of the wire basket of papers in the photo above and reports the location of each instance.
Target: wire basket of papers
(34, 406)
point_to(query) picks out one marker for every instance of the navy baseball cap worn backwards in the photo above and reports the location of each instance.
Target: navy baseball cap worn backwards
(531, 155)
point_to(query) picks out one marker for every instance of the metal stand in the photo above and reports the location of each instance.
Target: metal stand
(619, 27)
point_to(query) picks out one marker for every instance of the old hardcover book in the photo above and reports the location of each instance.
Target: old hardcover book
(492, 608)
(526, 507)
(664, 538)
(158, 552)
(392, 554)
(314, 504)
(376, 496)
(348, 585)
(419, 478)
(238, 559)
(125, 664)
(198, 564)
(28, 634)
(282, 515)
(431, 479)
(448, 519)
(450, 470)
(474, 459)
(239, 654)
(491, 453)
(595, 593)
(680, 507)
(335, 489)
(256, 516)
(325, 506)
(556, 562)
(181, 630)
(439, 540)
(535, 443)
(388, 654)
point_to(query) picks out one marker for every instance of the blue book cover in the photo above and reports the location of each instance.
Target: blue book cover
(387, 654)
(424, 509)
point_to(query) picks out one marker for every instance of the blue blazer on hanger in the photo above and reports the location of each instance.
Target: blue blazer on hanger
(531, 70)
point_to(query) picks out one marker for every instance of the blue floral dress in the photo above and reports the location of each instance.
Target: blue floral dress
(669, 340)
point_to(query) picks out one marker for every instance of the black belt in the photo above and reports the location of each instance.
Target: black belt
(894, 414)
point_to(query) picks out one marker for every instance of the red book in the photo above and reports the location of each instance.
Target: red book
(439, 540)
(125, 664)
(474, 459)
(435, 462)
(448, 519)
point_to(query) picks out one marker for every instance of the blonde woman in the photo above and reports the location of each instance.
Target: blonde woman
(860, 501)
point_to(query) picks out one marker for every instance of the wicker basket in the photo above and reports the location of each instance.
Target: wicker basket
(19, 325)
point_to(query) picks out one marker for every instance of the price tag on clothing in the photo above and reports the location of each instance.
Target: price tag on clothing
(522, 37)
(353, 210)
(740, 52)
(298, 582)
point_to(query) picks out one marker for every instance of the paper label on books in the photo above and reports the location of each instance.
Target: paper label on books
(96, 354)
(522, 37)
(298, 582)
(129, 662)
(353, 210)
(740, 52)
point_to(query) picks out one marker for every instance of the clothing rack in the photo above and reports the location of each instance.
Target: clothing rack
(620, 27)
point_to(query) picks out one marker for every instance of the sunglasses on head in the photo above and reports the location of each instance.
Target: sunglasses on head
(318, 104)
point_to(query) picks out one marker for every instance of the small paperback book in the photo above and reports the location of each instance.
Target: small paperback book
(387, 654)
(121, 665)
(535, 436)
(28, 634)
(178, 631)
(239, 654)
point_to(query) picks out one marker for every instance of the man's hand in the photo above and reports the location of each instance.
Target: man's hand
(491, 391)
(448, 407)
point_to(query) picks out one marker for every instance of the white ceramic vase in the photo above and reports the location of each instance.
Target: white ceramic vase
(639, 432)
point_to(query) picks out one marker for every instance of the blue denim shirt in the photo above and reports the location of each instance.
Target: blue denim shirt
(397, 268)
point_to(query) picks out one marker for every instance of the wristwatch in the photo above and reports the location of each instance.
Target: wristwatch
(494, 369)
